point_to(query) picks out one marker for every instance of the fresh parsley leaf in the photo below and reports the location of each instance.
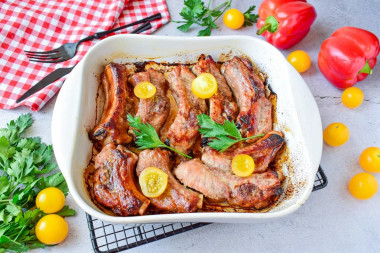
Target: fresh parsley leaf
(224, 136)
(66, 211)
(205, 32)
(249, 17)
(209, 128)
(9, 244)
(16, 127)
(195, 12)
(222, 143)
(146, 135)
(185, 27)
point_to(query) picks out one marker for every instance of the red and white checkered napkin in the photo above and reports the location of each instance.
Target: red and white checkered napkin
(39, 25)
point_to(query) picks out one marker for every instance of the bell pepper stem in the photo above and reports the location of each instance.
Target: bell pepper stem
(271, 25)
(366, 69)
(263, 29)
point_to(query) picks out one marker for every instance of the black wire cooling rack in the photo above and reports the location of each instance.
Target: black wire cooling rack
(115, 238)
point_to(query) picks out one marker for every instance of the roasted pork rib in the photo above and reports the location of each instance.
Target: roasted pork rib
(114, 185)
(154, 110)
(255, 110)
(183, 132)
(262, 151)
(176, 197)
(257, 190)
(119, 101)
(221, 105)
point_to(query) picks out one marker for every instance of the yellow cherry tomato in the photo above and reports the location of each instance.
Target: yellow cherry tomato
(352, 97)
(300, 60)
(370, 159)
(51, 229)
(363, 186)
(153, 182)
(233, 18)
(336, 134)
(204, 86)
(243, 165)
(144, 90)
(50, 200)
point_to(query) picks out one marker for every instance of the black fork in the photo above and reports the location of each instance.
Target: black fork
(68, 50)
(60, 72)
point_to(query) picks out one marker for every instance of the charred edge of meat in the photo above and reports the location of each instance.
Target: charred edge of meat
(276, 140)
(140, 66)
(99, 135)
(279, 191)
(167, 142)
(205, 142)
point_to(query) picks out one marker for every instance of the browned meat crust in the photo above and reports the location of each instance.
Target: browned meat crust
(198, 176)
(183, 132)
(154, 110)
(114, 185)
(176, 197)
(257, 190)
(222, 105)
(119, 101)
(255, 110)
(262, 151)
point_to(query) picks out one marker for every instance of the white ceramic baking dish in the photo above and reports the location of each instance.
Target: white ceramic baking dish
(297, 116)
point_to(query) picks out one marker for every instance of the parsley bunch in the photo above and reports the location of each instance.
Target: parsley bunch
(224, 136)
(25, 169)
(195, 12)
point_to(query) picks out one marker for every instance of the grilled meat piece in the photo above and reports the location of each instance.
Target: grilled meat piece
(222, 105)
(255, 110)
(257, 190)
(114, 184)
(262, 151)
(184, 130)
(176, 197)
(198, 176)
(119, 101)
(154, 110)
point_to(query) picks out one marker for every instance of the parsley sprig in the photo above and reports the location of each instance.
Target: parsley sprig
(249, 17)
(25, 169)
(147, 137)
(224, 136)
(195, 12)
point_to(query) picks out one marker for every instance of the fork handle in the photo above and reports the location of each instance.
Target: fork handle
(99, 35)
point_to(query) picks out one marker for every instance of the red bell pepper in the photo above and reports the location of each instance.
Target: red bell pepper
(284, 23)
(348, 56)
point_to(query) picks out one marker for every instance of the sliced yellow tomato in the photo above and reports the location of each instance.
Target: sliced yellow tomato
(363, 186)
(243, 165)
(233, 19)
(336, 134)
(204, 86)
(352, 97)
(50, 200)
(300, 60)
(153, 182)
(144, 90)
(51, 229)
(370, 159)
